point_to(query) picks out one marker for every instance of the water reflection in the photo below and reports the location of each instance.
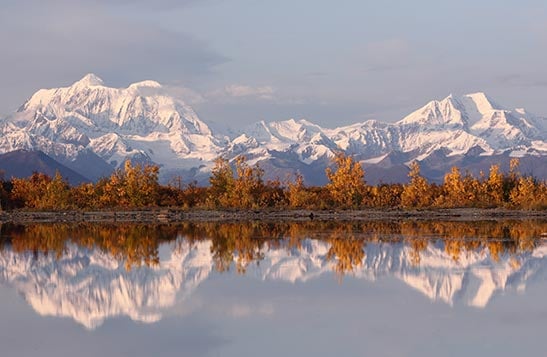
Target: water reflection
(94, 272)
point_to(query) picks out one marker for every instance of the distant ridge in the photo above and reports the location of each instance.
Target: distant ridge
(23, 163)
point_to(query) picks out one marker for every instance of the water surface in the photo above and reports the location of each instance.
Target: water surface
(271, 289)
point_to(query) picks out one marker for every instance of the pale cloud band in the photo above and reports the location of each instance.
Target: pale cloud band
(244, 91)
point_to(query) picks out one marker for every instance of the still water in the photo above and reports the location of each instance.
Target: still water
(275, 289)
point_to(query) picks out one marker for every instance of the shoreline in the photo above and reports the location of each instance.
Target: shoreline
(179, 216)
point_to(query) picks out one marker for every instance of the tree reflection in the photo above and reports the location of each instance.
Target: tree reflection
(346, 248)
(135, 245)
(239, 244)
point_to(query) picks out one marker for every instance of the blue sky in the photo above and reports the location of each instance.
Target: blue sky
(241, 61)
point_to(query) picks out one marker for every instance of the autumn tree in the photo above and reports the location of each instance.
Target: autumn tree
(418, 193)
(134, 186)
(193, 195)
(4, 195)
(248, 185)
(86, 195)
(222, 184)
(298, 196)
(57, 195)
(29, 191)
(472, 190)
(179, 193)
(346, 185)
(141, 184)
(453, 190)
(40, 191)
(272, 194)
(384, 195)
(529, 194)
(511, 180)
(493, 186)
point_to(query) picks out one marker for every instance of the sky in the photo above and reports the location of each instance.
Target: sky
(240, 61)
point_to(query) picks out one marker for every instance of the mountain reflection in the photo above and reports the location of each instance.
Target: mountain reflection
(93, 272)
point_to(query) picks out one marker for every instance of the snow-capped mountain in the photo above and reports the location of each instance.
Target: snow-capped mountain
(307, 141)
(88, 123)
(91, 286)
(460, 124)
(139, 121)
(454, 128)
(455, 124)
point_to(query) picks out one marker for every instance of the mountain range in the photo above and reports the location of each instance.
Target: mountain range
(91, 129)
(91, 286)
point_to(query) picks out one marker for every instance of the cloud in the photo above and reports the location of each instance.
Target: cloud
(238, 90)
(189, 95)
(234, 93)
(56, 43)
(242, 92)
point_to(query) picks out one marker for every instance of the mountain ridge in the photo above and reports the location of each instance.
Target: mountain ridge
(22, 163)
(143, 122)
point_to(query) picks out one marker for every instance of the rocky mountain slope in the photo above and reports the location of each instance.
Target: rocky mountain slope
(22, 163)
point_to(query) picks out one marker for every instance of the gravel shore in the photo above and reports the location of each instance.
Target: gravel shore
(174, 215)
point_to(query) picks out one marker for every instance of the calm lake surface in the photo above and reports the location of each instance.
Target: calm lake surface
(275, 289)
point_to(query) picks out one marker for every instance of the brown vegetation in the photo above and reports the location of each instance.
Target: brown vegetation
(238, 185)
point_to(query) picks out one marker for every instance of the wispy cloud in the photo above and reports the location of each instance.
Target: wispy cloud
(242, 92)
(189, 95)
(238, 90)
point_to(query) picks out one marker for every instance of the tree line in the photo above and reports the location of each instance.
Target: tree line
(238, 185)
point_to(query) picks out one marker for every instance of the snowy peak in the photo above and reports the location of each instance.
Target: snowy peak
(145, 84)
(470, 121)
(296, 130)
(464, 110)
(145, 122)
(438, 113)
(304, 141)
(481, 102)
(453, 125)
(89, 80)
(287, 131)
(91, 103)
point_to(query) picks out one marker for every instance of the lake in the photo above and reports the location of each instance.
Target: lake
(377, 288)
